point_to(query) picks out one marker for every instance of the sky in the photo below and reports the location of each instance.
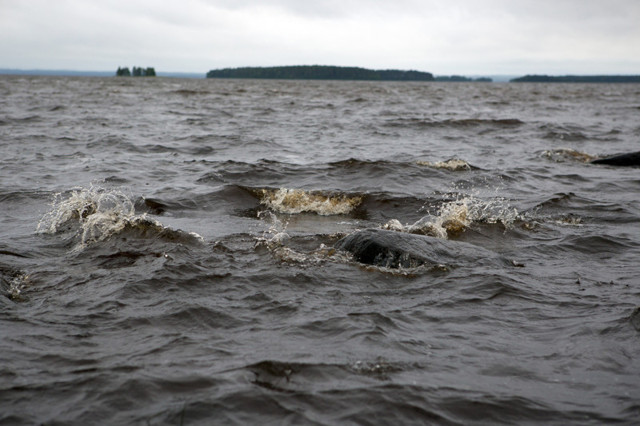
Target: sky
(466, 37)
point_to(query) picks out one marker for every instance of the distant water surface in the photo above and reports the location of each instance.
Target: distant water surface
(167, 252)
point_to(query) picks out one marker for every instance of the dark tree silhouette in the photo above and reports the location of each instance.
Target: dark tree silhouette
(136, 72)
(320, 72)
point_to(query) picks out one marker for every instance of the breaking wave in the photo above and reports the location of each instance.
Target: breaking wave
(568, 154)
(95, 214)
(455, 216)
(453, 164)
(293, 201)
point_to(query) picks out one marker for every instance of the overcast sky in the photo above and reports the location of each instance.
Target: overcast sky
(469, 37)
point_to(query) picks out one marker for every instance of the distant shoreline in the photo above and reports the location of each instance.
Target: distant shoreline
(76, 73)
(498, 78)
(536, 78)
(320, 72)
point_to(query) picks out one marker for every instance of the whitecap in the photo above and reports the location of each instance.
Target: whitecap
(294, 201)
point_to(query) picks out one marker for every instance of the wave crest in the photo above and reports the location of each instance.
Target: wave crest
(294, 201)
(453, 164)
(563, 154)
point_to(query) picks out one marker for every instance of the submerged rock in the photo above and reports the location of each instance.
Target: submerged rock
(391, 249)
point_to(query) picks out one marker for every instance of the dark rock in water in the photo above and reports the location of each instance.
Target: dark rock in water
(635, 319)
(392, 249)
(625, 160)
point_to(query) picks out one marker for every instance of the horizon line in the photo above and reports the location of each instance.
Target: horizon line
(66, 71)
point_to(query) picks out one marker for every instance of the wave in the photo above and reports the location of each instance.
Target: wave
(374, 389)
(565, 133)
(573, 209)
(21, 120)
(352, 175)
(357, 164)
(598, 246)
(22, 196)
(455, 123)
(95, 214)
(190, 92)
(281, 375)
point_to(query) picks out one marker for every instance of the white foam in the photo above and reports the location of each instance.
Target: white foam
(563, 154)
(16, 285)
(294, 201)
(453, 164)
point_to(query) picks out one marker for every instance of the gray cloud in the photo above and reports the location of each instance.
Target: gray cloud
(469, 37)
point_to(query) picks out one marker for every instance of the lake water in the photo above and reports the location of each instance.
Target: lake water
(167, 252)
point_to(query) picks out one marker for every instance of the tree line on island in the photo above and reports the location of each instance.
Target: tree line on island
(319, 72)
(459, 78)
(136, 72)
(328, 72)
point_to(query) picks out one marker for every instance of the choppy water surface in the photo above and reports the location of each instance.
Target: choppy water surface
(167, 252)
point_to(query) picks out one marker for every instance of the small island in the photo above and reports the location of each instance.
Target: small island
(577, 79)
(320, 72)
(137, 72)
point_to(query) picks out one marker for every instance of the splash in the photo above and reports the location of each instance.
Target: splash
(277, 231)
(276, 237)
(452, 218)
(294, 201)
(95, 214)
(455, 216)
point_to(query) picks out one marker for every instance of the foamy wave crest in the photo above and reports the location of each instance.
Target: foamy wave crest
(453, 164)
(564, 154)
(16, 285)
(455, 216)
(293, 201)
(96, 214)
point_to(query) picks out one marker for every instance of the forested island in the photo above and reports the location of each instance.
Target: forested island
(137, 72)
(577, 79)
(320, 72)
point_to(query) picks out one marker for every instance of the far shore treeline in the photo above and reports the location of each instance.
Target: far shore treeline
(577, 79)
(320, 72)
(329, 72)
